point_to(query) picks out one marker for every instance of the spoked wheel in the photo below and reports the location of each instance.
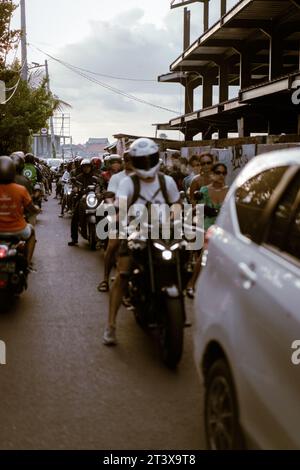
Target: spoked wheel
(172, 332)
(222, 427)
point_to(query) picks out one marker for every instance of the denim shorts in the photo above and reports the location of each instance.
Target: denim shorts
(24, 234)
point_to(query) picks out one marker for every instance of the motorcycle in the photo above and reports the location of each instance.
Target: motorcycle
(13, 266)
(87, 214)
(66, 203)
(156, 284)
(108, 199)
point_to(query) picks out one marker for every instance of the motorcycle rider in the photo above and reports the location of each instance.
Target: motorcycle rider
(85, 179)
(31, 171)
(19, 162)
(153, 187)
(114, 163)
(113, 244)
(14, 200)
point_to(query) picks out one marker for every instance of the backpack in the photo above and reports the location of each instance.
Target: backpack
(162, 188)
(30, 172)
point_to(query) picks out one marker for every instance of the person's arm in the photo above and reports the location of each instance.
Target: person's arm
(195, 186)
(28, 204)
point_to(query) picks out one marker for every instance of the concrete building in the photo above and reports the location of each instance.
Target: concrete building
(254, 47)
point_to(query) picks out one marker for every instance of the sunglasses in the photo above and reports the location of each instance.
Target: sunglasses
(206, 163)
(220, 173)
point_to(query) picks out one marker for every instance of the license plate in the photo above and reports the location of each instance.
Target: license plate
(7, 267)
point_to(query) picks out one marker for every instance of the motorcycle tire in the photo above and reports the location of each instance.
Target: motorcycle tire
(172, 332)
(92, 237)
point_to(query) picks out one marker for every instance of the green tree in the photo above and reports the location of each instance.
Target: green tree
(28, 108)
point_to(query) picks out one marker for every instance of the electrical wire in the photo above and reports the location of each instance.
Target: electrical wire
(113, 77)
(104, 85)
(11, 96)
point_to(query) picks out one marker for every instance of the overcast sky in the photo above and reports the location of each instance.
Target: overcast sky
(123, 38)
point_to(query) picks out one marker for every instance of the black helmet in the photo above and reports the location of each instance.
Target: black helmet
(19, 162)
(29, 158)
(7, 170)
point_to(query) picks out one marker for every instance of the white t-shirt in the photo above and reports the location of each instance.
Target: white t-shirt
(115, 181)
(148, 190)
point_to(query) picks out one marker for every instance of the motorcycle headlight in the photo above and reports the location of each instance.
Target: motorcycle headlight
(160, 246)
(91, 201)
(167, 255)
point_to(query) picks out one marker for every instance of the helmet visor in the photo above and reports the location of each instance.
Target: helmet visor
(145, 163)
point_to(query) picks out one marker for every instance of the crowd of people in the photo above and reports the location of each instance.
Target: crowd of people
(140, 176)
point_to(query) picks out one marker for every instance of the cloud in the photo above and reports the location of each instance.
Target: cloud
(125, 46)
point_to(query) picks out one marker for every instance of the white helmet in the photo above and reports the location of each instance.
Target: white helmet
(114, 158)
(144, 155)
(86, 162)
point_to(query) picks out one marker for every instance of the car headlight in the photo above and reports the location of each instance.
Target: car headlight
(91, 201)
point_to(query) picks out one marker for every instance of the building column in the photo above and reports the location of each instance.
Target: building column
(243, 128)
(186, 28)
(205, 15)
(189, 97)
(275, 56)
(223, 7)
(223, 134)
(245, 69)
(223, 82)
(207, 90)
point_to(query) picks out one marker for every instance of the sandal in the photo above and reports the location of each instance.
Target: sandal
(103, 287)
(190, 293)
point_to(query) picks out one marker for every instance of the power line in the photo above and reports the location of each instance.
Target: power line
(16, 87)
(104, 85)
(113, 77)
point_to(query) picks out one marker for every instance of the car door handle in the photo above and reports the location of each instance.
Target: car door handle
(248, 274)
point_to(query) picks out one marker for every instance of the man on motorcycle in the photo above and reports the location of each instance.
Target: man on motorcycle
(14, 200)
(114, 163)
(113, 244)
(146, 186)
(83, 180)
(19, 161)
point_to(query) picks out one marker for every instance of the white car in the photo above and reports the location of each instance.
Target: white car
(247, 309)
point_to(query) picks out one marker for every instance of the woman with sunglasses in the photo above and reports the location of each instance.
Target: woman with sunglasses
(212, 196)
(204, 178)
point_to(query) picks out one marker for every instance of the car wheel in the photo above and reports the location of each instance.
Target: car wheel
(223, 431)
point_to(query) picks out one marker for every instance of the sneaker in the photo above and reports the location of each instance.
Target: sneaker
(109, 337)
(73, 243)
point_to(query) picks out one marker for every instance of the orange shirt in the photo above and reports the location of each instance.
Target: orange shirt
(13, 200)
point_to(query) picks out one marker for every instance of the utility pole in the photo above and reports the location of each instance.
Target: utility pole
(53, 143)
(24, 73)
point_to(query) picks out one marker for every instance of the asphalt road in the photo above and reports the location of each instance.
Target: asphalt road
(62, 389)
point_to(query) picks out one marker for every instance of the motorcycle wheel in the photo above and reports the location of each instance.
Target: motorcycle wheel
(92, 237)
(172, 331)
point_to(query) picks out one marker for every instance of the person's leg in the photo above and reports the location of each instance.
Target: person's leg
(30, 247)
(115, 300)
(109, 260)
(190, 290)
(74, 225)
